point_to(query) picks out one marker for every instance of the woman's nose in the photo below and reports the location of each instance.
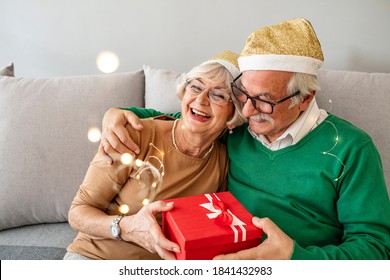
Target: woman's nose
(203, 98)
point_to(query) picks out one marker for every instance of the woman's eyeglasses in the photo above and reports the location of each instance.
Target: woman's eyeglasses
(217, 96)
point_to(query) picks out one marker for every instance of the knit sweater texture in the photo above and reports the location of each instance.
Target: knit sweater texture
(327, 192)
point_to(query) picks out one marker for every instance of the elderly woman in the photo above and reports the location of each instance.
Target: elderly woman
(178, 158)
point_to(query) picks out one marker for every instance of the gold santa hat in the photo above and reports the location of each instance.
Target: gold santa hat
(227, 59)
(290, 46)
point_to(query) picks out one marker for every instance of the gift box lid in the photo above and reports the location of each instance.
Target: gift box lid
(210, 220)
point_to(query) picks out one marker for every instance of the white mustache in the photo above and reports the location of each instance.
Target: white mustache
(261, 117)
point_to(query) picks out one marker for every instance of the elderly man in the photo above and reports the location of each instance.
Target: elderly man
(317, 179)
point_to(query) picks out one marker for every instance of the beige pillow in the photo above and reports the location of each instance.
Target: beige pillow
(161, 89)
(44, 147)
(7, 71)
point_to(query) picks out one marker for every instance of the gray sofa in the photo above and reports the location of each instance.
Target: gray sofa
(45, 150)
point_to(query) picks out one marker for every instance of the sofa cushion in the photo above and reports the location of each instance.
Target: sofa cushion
(42, 242)
(31, 253)
(161, 88)
(44, 147)
(7, 71)
(362, 99)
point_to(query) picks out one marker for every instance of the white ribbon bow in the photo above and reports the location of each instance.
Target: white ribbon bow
(215, 212)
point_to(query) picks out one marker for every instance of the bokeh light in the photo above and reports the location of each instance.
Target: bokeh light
(126, 159)
(124, 209)
(145, 201)
(94, 134)
(107, 61)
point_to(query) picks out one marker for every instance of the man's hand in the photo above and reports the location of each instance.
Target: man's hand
(115, 137)
(143, 229)
(277, 246)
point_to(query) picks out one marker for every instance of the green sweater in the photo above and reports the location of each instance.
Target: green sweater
(329, 196)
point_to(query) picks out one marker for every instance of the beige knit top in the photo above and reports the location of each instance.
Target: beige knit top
(107, 186)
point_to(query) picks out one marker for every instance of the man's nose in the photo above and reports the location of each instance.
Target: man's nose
(248, 109)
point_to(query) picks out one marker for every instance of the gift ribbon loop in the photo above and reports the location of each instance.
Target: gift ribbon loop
(224, 218)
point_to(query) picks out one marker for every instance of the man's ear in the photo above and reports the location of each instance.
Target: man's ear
(306, 101)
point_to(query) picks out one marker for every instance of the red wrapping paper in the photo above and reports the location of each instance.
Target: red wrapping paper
(208, 225)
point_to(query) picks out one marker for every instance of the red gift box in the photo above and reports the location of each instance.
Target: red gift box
(208, 225)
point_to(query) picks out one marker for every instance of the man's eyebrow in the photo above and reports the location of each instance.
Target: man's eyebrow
(263, 94)
(267, 95)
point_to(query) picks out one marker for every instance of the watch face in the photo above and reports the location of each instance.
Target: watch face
(114, 227)
(115, 231)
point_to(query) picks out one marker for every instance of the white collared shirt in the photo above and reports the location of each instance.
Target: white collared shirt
(305, 123)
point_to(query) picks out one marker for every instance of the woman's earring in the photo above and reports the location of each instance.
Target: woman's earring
(230, 128)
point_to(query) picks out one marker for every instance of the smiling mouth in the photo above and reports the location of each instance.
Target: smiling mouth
(199, 114)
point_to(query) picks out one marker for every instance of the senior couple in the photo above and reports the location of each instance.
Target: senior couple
(313, 181)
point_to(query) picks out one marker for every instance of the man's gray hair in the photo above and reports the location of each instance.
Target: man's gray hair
(305, 83)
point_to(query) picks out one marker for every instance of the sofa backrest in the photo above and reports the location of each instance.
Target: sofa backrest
(44, 123)
(45, 150)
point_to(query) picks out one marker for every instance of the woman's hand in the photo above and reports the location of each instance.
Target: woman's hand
(115, 137)
(143, 229)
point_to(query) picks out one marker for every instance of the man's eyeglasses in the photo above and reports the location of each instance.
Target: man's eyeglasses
(216, 96)
(261, 105)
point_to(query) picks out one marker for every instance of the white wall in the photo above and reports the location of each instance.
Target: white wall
(52, 37)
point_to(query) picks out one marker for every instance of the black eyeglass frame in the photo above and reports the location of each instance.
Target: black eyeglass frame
(253, 99)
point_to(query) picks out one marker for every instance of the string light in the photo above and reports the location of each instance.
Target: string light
(145, 202)
(330, 105)
(149, 172)
(152, 167)
(124, 209)
(126, 159)
(333, 155)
